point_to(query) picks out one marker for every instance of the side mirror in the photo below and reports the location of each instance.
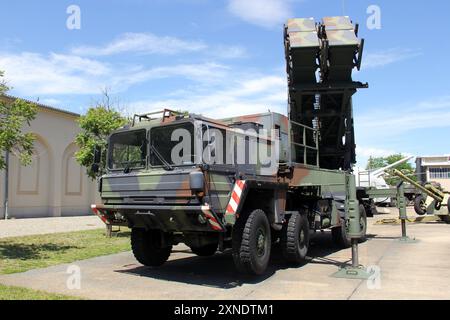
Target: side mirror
(95, 168)
(97, 155)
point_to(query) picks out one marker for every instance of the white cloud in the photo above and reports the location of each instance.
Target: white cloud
(228, 52)
(36, 74)
(265, 13)
(208, 73)
(146, 43)
(51, 101)
(366, 152)
(251, 94)
(389, 56)
(390, 120)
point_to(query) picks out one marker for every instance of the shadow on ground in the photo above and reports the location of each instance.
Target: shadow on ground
(218, 271)
(29, 251)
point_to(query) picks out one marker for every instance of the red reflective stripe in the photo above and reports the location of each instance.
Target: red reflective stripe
(240, 183)
(235, 197)
(230, 209)
(212, 221)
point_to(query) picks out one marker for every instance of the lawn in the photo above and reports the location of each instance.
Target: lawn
(16, 293)
(20, 254)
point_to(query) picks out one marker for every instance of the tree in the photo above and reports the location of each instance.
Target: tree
(375, 163)
(380, 162)
(96, 125)
(12, 119)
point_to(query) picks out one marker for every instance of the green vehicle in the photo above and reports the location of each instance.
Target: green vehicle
(245, 183)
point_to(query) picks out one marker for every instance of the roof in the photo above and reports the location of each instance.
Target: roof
(43, 105)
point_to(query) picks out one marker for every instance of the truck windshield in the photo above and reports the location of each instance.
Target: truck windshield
(127, 150)
(173, 143)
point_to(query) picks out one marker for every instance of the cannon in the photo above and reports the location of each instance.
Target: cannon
(431, 201)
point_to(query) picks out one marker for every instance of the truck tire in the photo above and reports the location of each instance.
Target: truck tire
(339, 234)
(419, 205)
(147, 248)
(251, 242)
(295, 238)
(205, 251)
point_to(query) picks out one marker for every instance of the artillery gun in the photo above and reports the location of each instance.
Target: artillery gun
(431, 201)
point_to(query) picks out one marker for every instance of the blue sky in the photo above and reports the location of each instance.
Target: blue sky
(225, 57)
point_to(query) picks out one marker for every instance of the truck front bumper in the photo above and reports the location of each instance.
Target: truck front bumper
(163, 217)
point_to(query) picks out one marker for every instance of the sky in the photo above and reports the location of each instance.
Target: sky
(225, 58)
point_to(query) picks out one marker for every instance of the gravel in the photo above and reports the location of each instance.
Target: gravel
(25, 227)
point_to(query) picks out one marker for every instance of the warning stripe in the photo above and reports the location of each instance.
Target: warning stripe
(98, 213)
(235, 197)
(211, 219)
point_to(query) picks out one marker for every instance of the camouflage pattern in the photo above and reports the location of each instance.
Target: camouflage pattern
(162, 198)
(156, 198)
(337, 23)
(301, 25)
(342, 38)
(304, 39)
(325, 102)
(302, 33)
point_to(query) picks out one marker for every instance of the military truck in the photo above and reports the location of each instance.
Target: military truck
(245, 183)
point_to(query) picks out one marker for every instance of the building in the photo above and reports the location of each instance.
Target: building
(434, 168)
(54, 184)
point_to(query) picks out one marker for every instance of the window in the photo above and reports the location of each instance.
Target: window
(173, 144)
(439, 173)
(128, 150)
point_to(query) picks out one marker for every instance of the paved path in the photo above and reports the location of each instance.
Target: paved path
(408, 271)
(25, 227)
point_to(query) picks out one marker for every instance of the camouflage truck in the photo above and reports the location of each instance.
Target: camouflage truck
(244, 183)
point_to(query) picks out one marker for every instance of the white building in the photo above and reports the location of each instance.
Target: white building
(54, 184)
(434, 168)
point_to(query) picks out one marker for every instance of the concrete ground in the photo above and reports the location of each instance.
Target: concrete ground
(407, 271)
(26, 227)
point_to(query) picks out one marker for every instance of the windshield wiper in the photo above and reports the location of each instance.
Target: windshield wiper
(166, 164)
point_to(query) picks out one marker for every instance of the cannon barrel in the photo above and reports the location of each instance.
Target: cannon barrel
(435, 190)
(418, 186)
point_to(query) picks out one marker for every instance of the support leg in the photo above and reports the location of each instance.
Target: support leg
(401, 202)
(355, 271)
(108, 231)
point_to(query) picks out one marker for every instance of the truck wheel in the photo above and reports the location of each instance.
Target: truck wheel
(205, 251)
(339, 234)
(147, 247)
(251, 243)
(295, 238)
(419, 205)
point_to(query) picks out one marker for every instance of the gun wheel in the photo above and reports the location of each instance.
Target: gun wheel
(419, 205)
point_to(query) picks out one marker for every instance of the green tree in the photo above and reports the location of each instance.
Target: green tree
(13, 116)
(405, 167)
(375, 163)
(96, 125)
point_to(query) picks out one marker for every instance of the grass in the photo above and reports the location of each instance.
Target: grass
(17, 293)
(20, 254)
